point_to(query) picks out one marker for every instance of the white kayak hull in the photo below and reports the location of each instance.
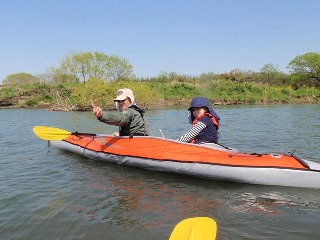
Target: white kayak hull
(309, 178)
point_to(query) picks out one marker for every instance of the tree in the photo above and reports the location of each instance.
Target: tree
(93, 89)
(58, 75)
(269, 72)
(82, 66)
(76, 66)
(118, 69)
(20, 78)
(234, 75)
(307, 66)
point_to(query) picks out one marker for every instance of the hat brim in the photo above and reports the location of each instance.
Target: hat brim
(190, 108)
(120, 98)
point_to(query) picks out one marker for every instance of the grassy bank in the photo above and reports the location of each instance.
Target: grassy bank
(153, 94)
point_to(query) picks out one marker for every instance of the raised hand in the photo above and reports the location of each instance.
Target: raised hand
(96, 110)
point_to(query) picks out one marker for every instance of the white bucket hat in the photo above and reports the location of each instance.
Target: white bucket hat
(122, 94)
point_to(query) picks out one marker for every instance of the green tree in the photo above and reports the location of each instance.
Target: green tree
(20, 78)
(307, 66)
(94, 89)
(59, 76)
(76, 65)
(82, 66)
(234, 75)
(269, 73)
(118, 69)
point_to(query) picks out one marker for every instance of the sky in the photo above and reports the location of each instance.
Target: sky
(189, 37)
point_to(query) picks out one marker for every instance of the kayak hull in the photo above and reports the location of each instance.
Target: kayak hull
(236, 167)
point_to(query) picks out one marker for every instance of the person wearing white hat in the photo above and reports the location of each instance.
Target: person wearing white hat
(130, 119)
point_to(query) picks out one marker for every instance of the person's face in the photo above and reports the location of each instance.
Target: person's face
(197, 112)
(124, 104)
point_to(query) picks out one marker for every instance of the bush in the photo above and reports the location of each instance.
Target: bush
(7, 93)
(145, 94)
(31, 102)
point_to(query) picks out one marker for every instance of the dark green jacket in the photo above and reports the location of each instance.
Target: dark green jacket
(130, 121)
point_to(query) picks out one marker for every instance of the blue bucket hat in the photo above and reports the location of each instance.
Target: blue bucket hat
(198, 102)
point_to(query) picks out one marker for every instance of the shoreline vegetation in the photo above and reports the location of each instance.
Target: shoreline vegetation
(87, 76)
(152, 94)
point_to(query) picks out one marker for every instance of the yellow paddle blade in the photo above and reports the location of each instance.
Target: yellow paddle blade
(50, 133)
(198, 228)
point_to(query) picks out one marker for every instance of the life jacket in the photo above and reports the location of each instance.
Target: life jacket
(214, 120)
(141, 111)
(138, 109)
(207, 138)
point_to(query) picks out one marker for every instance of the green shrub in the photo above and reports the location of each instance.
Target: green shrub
(31, 102)
(7, 93)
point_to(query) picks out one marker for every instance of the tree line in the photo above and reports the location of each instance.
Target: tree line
(86, 75)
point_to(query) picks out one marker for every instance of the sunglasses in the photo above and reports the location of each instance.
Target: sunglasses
(121, 101)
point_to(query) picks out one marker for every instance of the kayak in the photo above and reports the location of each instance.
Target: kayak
(209, 161)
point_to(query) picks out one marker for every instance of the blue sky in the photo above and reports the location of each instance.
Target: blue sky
(184, 36)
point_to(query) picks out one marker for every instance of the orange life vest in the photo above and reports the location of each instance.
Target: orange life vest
(213, 119)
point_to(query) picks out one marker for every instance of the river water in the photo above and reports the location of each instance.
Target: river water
(49, 194)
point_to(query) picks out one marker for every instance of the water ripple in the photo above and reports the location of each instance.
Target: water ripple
(51, 194)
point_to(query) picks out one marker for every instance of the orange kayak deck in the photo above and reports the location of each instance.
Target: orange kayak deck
(169, 150)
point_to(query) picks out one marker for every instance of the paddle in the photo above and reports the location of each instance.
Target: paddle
(198, 228)
(51, 133)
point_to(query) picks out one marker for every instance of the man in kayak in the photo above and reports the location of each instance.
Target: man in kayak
(205, 123)
(129, 118)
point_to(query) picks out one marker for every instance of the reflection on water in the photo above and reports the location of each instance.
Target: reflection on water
(57, 195)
